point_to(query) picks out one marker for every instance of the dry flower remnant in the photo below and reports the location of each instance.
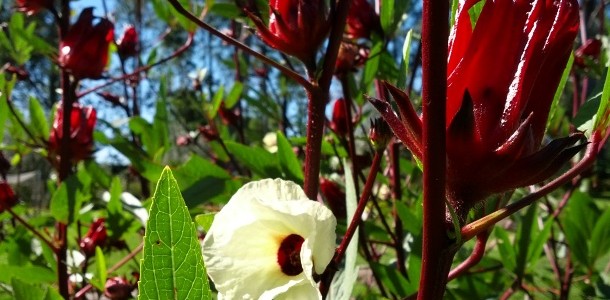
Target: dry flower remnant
(269, 241)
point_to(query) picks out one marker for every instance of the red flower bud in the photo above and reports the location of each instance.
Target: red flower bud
(118, 288)
(496, 116)
(30, 7)
(209, 133)
(82, 123)
(227, 115)
(7, 196)
(362, 20)
(127, 44)
(95, 237)
(590, 49)
(296, 27)
(334, 196)
(84, 49)
(339, 121)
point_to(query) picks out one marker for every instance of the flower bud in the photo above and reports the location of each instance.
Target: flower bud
(296, 27)
(380, 134)
(127, 44)
(7, 196)
(362, 20)
(209, 133)
(118, 288)
(334, 197)
(84, 49)
(82, 123)
(227, 115)
(30, 7)
(339, 121)
(590, 49)
(95, 237)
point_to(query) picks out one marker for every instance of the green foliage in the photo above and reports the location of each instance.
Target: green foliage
(172, 267)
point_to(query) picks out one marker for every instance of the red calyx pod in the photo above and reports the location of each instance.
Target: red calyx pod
(82, 123)
(209, 133)
(227, 115)
(362, 20)
(496, 117)
(30, 7)
(339, 121)
(7, 196)
(296, 27)
(334, 196)
(118, 288)
(84, 49)
(127, 44)
(590, 49)
(20, 72)
(95, 237)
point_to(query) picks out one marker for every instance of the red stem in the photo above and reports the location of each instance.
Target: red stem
(437, 254)
(475, 257)
(316, 103)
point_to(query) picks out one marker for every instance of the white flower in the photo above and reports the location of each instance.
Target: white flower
(270, 142)
(268, 242)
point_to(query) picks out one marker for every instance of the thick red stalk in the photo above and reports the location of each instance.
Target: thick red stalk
(316, 103)
(437, 254)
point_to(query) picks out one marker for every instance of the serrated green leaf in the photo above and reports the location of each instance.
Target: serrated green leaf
(290, 164)
(172, 266)
(38, 121)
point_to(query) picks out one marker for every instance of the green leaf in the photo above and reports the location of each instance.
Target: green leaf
(290, 164)
(395, 283)
(23, 290)
(234, 94)
(172, 266)
(560, 87)
(205, 220)
(256, 159)
(386, 15)
(404, 64)
(115, 207)
(523, 239)
(99, 280)
(67, 200)
(202, 181)
(32, 274)
(506, 249)
(212, 108)
(371, 66)
(602, 121)
(344, 280)
(600, 238)
(538, 242)
(38, 121)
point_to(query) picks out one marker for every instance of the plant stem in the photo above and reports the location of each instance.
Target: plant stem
(437, 252)
(475, 257)
(315, 132)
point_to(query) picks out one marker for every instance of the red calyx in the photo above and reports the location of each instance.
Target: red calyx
(84, 49)
(335, 198)
(127, 44)
(590, 49)
(362, 20)
(95, 237)
(82, 124)
(30, 7)
(339, 121)
(7, 196)
(118, 288)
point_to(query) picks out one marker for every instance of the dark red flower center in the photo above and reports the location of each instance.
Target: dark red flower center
(289, 255)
